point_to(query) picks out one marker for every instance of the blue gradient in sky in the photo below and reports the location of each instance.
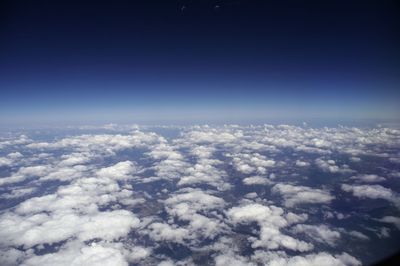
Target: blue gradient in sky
(126, 62)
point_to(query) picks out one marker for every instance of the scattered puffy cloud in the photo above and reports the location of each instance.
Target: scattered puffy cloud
(77, 254)
(270, 219)
(165, 232)
(356, 234)
(14, 141)
(372, 192)
(320, 233)
(230, 258)
(250, 163)
(294, 195)
(18, 192)
(314, 259)
(204, 172)
(121, 170)
(43, 228)
(369, 178)
(26, 172)
(392, 220)
(256, 180)
(331, 167)
(4, 161)
(211, 135)
(395, 160)
(302, 163)
(76, 158)
(104, 143)
(193, 206)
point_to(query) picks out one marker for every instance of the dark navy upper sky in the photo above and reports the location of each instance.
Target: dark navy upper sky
(138, 61)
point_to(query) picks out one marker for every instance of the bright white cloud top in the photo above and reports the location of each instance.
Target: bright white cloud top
(195, 195)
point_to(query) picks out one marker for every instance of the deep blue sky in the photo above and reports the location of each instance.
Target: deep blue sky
(138, 61)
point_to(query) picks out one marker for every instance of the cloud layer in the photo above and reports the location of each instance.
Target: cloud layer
(240, 195)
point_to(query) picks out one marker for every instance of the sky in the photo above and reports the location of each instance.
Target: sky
(195, 61)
